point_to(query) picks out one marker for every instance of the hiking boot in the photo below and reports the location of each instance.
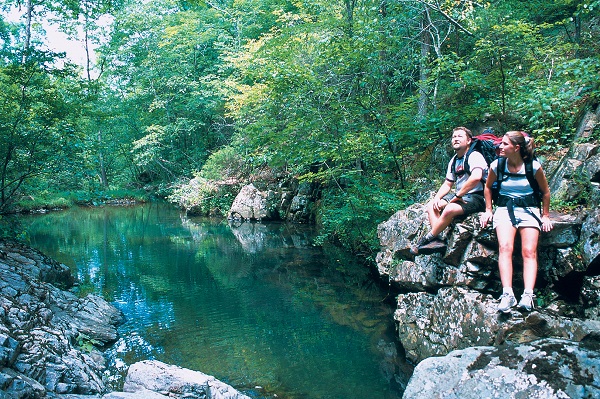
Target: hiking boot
(526, 302)
(422, 241)
(507, 301)
(426, 244)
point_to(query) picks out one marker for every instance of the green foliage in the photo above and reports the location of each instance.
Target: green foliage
(43, 200)
(204, 197)
(86, 343)
(360, 97)
(548, 109)
(224, 163)
(38, 125)
(317, 103)
(53, 200)
(214, 188)
(544, 297)
(11, 229)
(350, 216)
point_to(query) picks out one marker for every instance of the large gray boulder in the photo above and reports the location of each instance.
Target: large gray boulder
(447, 303)
(590, 297)
(433, 325)
(457, 318)
(543, 369)
(590, 239)
(290, 200)
(253, 204)
(471, 256)
(150, 377)
(448, 299)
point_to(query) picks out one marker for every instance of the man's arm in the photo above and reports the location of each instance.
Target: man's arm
(444, 189)
(474, 179)
(487, 193)
(437, 201)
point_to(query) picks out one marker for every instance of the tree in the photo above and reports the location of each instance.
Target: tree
(168, 73)
(37, 125)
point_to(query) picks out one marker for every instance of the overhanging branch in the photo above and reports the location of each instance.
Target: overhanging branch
(448, 17)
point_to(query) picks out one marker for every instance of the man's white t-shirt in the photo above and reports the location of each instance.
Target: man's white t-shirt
(475, 160)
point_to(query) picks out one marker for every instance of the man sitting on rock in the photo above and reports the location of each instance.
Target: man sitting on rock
(468, 197)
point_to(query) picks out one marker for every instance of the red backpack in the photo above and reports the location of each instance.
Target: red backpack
(487, 143)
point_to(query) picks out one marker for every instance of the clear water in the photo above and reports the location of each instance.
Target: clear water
(255, 305)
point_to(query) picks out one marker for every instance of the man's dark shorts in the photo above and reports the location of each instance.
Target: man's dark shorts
(472, 203)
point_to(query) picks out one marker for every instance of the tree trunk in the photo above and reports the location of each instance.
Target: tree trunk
(28, 19)
(88, 62)
(350, 4)
(103, 178)
(423, 67)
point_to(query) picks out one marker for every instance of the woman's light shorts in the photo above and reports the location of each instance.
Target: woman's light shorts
(523, 216)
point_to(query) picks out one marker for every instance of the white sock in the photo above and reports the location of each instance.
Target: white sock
(526, 291)
(508, 290)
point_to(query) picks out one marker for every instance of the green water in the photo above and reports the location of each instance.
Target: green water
(255, 305)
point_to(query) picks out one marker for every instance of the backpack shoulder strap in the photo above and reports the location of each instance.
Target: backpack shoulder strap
(469, 151)
(499, 177)
(500, 170)
(453, 167)
(531, 179)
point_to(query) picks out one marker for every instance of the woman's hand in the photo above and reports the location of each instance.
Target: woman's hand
(485, 218)
(547, 224)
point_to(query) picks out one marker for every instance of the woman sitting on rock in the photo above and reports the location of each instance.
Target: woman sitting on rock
(522, 183)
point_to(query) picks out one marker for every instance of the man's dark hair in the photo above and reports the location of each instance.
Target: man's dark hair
(467, 131)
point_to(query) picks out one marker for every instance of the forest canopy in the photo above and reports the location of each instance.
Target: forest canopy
(359, 96)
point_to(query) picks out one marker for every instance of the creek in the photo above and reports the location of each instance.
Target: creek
(258, 306)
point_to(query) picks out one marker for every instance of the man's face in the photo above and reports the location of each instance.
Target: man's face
(460, 140)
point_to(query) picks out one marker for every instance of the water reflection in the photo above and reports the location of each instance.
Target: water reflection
(251, 304)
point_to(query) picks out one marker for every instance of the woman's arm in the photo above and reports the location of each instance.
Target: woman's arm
(540, 177)
(487, 193)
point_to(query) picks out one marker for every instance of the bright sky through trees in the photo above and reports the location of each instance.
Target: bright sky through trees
(58, 41)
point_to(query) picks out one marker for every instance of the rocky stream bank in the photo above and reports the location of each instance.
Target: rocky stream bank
(51, 340)
(446, 318)
(446, 310)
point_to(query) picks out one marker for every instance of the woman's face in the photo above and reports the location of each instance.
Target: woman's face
(507, 148)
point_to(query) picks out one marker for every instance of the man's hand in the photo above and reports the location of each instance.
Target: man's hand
(439, 204)
(456, 199)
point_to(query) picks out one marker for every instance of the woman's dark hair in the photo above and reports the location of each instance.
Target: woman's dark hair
(524, 141)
